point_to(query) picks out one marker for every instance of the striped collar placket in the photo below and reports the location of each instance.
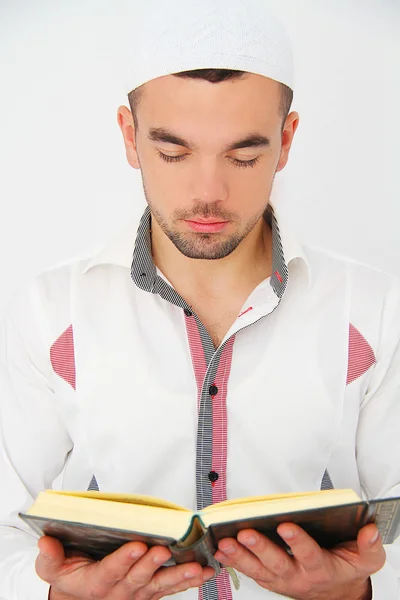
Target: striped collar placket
(143, 269)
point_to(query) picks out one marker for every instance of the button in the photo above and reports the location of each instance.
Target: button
(213, 390)
(213, 476)
(187, 312)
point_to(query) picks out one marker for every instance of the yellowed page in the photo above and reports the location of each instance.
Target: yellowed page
(125, 498)
(274, 497)
(277, 504)
(157, 521)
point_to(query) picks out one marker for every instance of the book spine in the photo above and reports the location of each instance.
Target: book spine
(201, 551)
(386, 514)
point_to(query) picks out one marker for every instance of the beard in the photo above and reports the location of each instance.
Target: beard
(204, 246)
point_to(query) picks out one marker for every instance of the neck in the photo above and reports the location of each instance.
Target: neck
(243, 269)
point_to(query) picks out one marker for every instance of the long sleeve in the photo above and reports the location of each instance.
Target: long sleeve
(378, 438)
(34, 443)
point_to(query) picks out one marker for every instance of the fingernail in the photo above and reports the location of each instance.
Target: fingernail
(229, 550)
(188, 575)
(136, 553)
(374, 538)
(43, 553)
(159, 560)
(251, 541)
(207, 577)
(288, 534)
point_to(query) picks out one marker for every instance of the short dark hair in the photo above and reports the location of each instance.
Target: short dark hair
(215, 76)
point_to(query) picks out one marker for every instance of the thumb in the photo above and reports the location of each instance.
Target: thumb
(370, 548)
(50, 558)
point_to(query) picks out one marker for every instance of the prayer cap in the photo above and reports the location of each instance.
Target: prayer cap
(170, 36)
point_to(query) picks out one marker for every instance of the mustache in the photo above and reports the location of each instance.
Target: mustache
(205, 211)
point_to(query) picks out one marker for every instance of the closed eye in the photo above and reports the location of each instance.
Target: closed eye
(245, 163)
(236, 161)
(171, 158)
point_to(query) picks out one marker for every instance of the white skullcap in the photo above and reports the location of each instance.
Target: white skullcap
(170, 36)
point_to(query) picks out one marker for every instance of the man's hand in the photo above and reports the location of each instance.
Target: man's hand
(130, 573)
(312, 573)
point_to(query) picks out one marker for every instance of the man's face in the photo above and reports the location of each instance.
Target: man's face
(205, 193)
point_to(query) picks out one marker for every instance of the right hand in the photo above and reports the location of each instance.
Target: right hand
(133, 572)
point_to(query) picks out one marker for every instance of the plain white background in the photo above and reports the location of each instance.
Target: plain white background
(65, 185)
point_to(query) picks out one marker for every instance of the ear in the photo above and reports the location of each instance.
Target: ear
(291, 124)
(127, 126)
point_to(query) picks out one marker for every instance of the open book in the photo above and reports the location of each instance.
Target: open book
(98, 523)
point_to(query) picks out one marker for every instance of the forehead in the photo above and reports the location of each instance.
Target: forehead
(249, 101)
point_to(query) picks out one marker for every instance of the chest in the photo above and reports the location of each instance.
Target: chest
(217, 314)
(137, 391)
(217, 319)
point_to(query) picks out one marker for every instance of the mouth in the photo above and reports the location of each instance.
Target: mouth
(206, 225)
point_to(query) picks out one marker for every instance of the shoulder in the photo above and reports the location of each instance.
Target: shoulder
(327, 263)
(373, 293)
(55, 282)
(41, 307)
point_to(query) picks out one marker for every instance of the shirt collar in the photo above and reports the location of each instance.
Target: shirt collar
(131, 249)
(294, 252)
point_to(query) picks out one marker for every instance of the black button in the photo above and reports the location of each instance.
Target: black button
(213, 390)
(187, 312)
(213, 476)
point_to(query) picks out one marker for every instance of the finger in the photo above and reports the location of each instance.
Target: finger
(171, 580)
(141, 573)
(232, 554)
(304, 548)
(114, 567)
(148, 578)
(275, 559)
(50, 558)
(370, 548)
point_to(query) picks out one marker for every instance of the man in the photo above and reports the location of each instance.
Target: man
(224, 360)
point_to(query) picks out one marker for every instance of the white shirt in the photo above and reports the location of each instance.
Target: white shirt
(104, 373)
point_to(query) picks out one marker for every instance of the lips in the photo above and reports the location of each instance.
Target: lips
(207, 226)
(198, 220)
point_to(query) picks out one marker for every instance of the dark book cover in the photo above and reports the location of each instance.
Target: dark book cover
(94, 540)
(329, 526)
(98, 541)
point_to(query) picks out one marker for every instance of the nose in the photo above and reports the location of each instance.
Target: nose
(208, 181)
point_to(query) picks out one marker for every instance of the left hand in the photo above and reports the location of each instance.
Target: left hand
(312, 573)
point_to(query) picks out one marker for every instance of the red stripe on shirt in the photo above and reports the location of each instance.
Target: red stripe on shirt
(219, 426)
(361, 356)
(62, 357)
(220, 423)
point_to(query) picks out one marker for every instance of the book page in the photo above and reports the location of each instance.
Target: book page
(274, 497)
(276, 504)
(140, 518)
(236, 501)
(125, 498)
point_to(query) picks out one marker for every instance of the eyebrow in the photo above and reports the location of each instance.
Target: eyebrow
(160, 134)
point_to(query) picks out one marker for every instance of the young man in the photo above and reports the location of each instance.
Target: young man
(224, 359)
